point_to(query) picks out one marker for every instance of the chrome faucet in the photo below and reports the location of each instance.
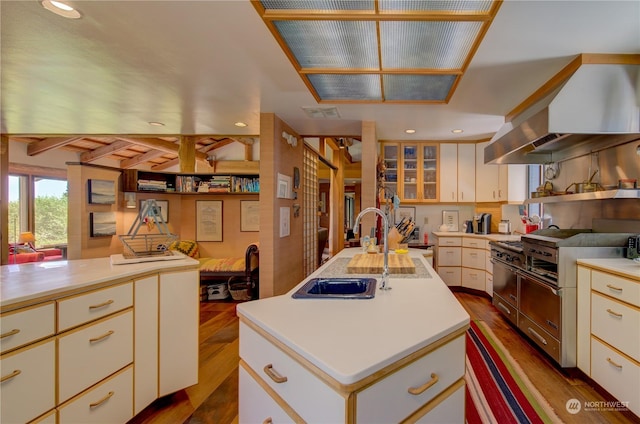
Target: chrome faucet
(384, 285)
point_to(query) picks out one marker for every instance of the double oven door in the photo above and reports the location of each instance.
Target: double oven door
(505, 289)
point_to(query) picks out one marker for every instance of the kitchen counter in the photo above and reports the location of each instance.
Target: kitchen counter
(621, 266)
(353, 339)
(490, 237)
(24, 284)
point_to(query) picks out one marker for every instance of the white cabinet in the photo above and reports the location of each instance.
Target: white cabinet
(457, 172)
(146, 341)
(499, 183)
(179, 320)
(261, 407)
(27, 325)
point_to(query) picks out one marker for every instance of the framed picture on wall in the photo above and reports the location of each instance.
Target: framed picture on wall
(249, 215)
(162, 209)
(102, 192)
(405, 212)
(208, 220)
(102, 224)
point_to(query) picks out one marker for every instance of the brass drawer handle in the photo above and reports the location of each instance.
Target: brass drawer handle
(268, 420)
(609, 360)
(268, 369)
(101, 401)
(10, 376)
(10, 333)
(104, 336)
(425, 386)
(101, 305)
(614, 287)
(614, 313)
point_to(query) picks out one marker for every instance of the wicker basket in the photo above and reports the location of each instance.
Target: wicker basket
(240, 290)
(147, 245)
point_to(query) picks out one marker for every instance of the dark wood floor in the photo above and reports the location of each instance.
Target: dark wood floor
(215, 398)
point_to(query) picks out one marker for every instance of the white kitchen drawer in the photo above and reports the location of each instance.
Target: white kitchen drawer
(255, 405)
(488, 286)
(449, 256)
(48, 418)
(473, 279)
(29, 389)
(617, 324)
(449, 241)
(389, 399)
(488, 265)
(77, 310)
(473, 258)
(616, 287)
(450, 410)
(616, 374)
(324, 406)
(452, 276)
(23, 326)
(474, 242)
(91, 353)
(109, 402)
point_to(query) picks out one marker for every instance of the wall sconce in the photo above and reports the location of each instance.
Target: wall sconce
(130, 200)
(290, 139)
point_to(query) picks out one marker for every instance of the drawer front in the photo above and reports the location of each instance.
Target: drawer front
(77, 310)
(473, 278)
(615, 323)
(616, 287)
(450, 256)
(473, 258)
(450, 410)
(91, 353)
(108, 402)
(48, 418)
(389, 400)
(449, 241)
(488, 287)
(255, 405)
(616, 374)
(539, 336)
(26, 325)
(29, 386)
(327, 406)
(452, 276)
(506, 308)
(488, 265)
(476, 243)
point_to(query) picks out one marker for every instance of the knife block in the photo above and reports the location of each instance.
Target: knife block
(394, 238)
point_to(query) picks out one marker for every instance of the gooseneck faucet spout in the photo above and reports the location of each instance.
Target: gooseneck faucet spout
(384, 284)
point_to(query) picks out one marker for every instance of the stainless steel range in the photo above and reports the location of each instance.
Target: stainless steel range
(535, 283)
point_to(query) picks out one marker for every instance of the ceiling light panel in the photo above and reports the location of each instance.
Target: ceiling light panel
(427, 44)
(324, 5)
(435, 5)
(427, 88)
(347, 87)
(331, 44)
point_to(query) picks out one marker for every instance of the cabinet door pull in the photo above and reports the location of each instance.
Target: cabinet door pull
(425, 386)
(268, 369)
(609, 360)
(537, 336)
(614, 288)
(268, 420)
(104, 336)
(10, 376)
(504, 308)
(100, 305)
(614, 313)
(10, 333)
(101, 401)
(513, 297)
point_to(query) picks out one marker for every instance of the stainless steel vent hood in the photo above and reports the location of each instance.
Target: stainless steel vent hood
(595, 109)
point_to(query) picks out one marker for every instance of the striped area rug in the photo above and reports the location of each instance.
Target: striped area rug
(497, 389)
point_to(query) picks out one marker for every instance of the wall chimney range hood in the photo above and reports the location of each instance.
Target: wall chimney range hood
(595, 109)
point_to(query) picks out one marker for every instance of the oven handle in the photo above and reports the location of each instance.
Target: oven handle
(504, 264)
(537, 280)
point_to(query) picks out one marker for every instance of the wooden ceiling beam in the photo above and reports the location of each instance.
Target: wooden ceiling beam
(137, 160)
(164, 165)
(159, 144)
(104, 151)
(37, 147)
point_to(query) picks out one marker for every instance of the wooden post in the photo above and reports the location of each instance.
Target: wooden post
(187, 154)
(4, 199)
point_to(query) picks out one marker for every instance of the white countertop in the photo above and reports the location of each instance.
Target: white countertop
(621, 266)
(492, 236)
(351, 339)
(31, 281)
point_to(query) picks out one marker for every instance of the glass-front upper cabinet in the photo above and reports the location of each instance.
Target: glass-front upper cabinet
(411, 171)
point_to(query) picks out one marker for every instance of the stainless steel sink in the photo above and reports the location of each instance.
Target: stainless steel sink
(337, 288)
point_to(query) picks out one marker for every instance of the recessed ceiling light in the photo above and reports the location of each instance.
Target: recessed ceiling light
(410, 131)
(457, 131)
(240, 124)
(61, 9)
(156, 124)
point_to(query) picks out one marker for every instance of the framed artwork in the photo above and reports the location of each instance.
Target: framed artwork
(284, 186)
(102, 192)
(249, 215)
(450, 219)
(161, 211)
(405, 212)
(208, 220)
(102, 224)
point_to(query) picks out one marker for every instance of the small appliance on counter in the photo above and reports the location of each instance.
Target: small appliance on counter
(482, 223)
(504, 227)
(468, 227)
(633, 247)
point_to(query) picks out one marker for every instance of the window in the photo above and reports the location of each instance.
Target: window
(38, 204)
(534, 180)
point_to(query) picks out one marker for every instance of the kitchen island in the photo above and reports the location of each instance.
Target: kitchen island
(91, 341)
(399, 356)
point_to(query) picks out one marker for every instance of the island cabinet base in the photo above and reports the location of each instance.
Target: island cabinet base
(279, 385)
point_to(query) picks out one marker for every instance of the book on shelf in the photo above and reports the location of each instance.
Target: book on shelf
(152, 185)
